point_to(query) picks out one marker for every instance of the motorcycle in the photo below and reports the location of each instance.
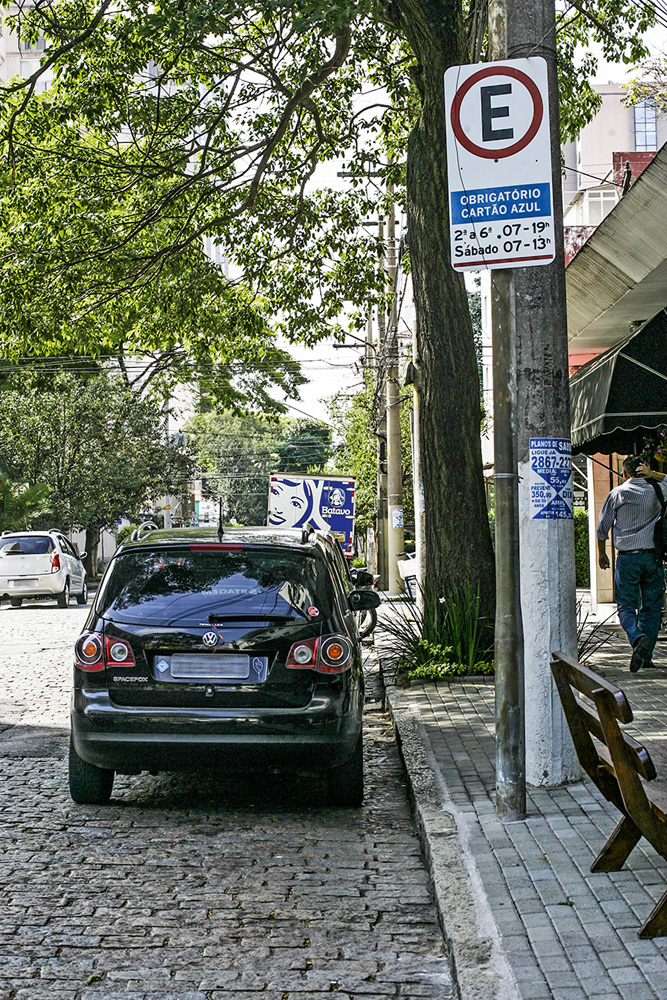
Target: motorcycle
(368, 619)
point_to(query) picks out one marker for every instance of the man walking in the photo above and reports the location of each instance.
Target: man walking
(633, 509)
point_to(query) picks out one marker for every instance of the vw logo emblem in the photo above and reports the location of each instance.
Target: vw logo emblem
(210, 639)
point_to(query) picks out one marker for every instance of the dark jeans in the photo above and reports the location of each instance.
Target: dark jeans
(639, 584)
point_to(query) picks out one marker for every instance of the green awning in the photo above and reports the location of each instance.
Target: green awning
(618, 398)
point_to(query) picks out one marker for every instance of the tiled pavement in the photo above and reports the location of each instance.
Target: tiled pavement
(566, 934)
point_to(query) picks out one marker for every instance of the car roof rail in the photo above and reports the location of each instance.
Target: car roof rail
(307, 533)
(140, 533)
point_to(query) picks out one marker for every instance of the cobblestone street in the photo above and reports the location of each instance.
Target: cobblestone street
(188, 888)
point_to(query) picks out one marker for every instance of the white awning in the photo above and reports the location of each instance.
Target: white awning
(618, 280)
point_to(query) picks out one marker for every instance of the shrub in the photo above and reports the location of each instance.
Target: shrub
(447, 638)
(124, 534)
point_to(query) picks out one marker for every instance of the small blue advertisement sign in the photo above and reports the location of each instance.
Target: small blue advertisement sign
(326, 503)
(551, 491)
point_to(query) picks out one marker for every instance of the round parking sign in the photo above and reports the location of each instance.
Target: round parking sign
(505, 116)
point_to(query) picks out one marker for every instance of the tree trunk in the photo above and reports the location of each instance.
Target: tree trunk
(92, 543)
(457, 547)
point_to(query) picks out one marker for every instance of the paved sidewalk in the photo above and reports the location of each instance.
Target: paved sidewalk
(526, 916)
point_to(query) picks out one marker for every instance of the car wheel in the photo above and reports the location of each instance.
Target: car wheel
(83, 596)
(345, 784)
(63, 599)
(89, 785)
(16, 602)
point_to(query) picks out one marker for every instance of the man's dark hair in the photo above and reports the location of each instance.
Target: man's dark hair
(630, 465)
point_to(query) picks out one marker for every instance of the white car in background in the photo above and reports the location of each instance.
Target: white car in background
(41, 564)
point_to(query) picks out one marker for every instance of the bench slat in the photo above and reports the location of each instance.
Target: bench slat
(645, 765)
(587, 681)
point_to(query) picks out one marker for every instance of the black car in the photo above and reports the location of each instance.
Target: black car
(238, 651)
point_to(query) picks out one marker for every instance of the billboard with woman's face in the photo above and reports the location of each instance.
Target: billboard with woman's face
(326, 503)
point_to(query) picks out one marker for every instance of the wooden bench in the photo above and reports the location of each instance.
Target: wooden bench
(631, 776)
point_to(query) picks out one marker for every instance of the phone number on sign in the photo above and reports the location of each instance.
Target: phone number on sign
(550, 461)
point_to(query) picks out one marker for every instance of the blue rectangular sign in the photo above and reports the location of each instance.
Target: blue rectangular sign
(551, 491)
(522, 201)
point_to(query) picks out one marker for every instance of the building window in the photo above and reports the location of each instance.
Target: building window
(646, 135)
(598, 203)
(32, 49)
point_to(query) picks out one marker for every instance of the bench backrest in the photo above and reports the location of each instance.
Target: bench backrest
(618, 762)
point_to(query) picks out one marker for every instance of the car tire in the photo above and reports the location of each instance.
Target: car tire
(89, 785)
(64, 598)
(345, 784)
(83, 596)
(16, 602)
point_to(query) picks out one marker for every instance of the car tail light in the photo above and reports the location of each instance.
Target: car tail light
(330, 654)
(118, 653)
(303, 655)
(55, 562)
(94, 651)
(89, 651)
(335, 655)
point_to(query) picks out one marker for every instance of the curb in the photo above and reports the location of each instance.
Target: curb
(479, 968)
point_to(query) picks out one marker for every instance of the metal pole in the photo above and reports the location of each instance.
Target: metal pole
(166, 513)
(510, 741)
(394, 465)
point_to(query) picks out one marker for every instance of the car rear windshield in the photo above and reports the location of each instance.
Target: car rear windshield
(28, 545)
(188, 585)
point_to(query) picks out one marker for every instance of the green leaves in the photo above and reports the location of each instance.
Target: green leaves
(100, 448)
(237, 453)
(614, 26)
(20, 503)
(215, 127)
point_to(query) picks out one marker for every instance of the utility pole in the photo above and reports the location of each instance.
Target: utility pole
(381, 433)
(510, 738)
(395, 542)
(546, 545)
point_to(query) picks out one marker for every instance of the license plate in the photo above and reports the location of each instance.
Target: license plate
(237, 667)
(23, 583)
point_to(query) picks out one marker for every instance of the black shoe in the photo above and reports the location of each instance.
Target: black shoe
(638, 653)
(649, 665)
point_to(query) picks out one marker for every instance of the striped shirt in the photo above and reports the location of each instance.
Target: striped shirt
(633, 509)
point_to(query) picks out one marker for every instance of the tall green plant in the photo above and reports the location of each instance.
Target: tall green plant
(20, 503)
(451, 636)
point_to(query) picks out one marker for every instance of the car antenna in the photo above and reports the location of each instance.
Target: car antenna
(221, 530)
